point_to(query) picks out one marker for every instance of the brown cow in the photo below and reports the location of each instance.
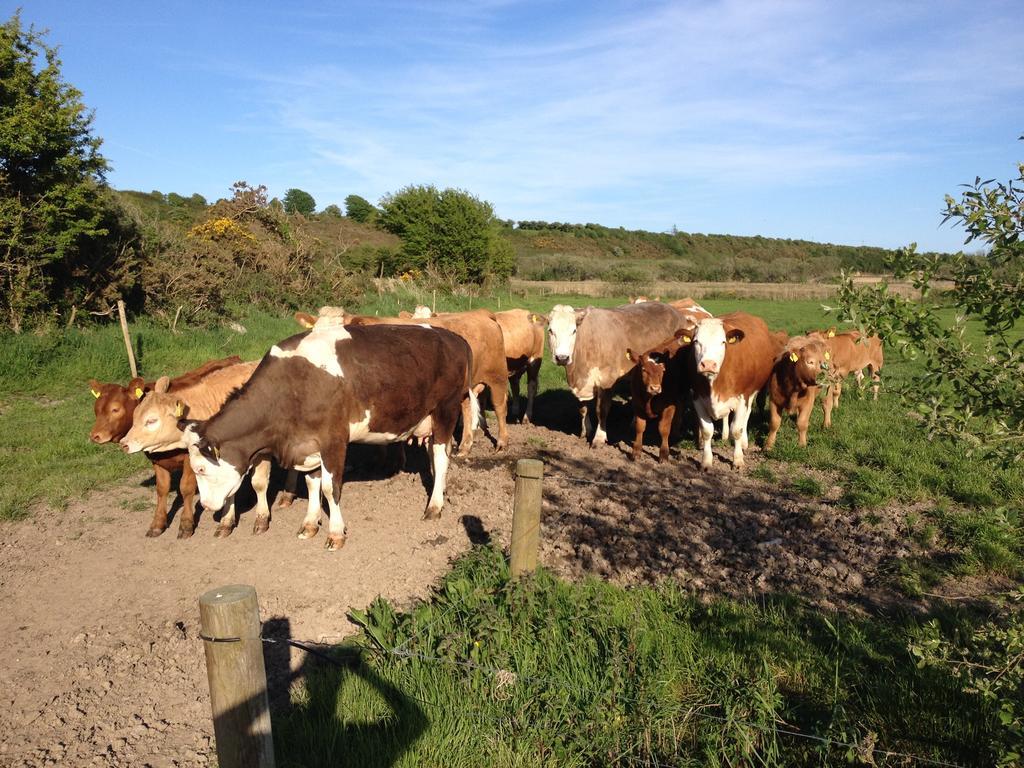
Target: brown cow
(731, 361)
(155, 428)
(114, 408)
(658, 384)
(851, 353)
(480, 329)
(315, 393)
(796, 379)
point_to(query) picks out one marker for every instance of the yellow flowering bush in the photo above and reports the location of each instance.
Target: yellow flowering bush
(221, 229)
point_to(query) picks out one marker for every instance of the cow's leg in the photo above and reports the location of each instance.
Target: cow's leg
(228, 520)
(163, 487)
(739, 431)
(837, 393)
(287, 495)
(330, 480)
(725, 428)
(499, 399)
(439, 462)
(602, 404)
(705, 433)
(311, 522)
(774, 422)
(876, 382)
(532, 377)
(187, 490)
(665, 428)
(513, 395)
(260, 482)
(584, 405)
(638, 442)
(803, 417)
(826, 405)
(469, 419)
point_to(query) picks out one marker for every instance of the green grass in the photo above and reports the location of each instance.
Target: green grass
(542, 672)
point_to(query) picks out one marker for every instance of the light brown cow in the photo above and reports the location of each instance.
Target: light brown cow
(114, 407)
(851, 353)
(155, 428)
(797, 376)
(480, 329)
(731, 361)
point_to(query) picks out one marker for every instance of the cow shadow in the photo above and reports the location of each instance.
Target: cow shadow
(559, 411)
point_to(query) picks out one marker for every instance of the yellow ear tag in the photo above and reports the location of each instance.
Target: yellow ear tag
(138, 393)
(828, 355)
(627, 354)
(733, 339)
(831, 333)
(95, 394)
(687, 339)
(793, 356)
(179, 410)
(216, 452)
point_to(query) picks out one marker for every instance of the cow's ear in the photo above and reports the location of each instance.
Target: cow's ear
(685, 335)
(94, 388)
(632, 357)
(305, 319)
(733, 335)
(582, 313)
(190, 430)
(162, 384)
(405, 315)
(137, 387)
(538, 319)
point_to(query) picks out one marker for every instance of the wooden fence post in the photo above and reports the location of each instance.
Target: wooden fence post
(127, 338)
(229, 621)
(526, 516)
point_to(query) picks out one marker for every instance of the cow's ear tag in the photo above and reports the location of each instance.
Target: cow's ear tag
(793, 356)
(138, 393)
(95, 394)
(627, 354)
(687, 339)
(216, 452)
(828, 355)
(733, 339)
(179, 410)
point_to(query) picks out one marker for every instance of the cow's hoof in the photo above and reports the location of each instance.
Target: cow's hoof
(223, 531)
(283, 501)
(308, 531)
(261, 525)
(152, 533)
(432, 514)
(705, 467)
(500, 446)
(335, 543)
(186, 532)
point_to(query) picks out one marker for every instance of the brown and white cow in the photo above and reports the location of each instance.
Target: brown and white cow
(155, 428)
(591, 343)
(479, 328)
(731, 361)
(797, 376)
(851, 353)
(316, 392)
(659, 384)
(114, 408)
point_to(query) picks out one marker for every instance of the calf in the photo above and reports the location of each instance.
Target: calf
(114, 408)
(796, 379)
(658, 385)
(316, 392)
(851, 353)
(731, 361)
(155, 428)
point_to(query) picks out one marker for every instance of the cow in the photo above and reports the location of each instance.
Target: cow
(155, 428)
(114, 408)
(851, 353)
(479, 328)
(658, 385)
(731, 361)
(796, 379)
(591, 343)
(318, 391)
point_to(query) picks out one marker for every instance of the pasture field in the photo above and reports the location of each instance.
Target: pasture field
(630, 670)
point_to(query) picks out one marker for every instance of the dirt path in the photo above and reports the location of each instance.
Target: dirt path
(102, 662)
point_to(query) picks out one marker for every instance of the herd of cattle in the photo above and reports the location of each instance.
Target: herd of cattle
(360, 379)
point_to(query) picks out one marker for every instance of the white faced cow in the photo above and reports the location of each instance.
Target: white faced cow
(591, 345)
(316, 392)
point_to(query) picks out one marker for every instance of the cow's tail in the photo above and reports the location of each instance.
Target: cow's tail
(474, 409)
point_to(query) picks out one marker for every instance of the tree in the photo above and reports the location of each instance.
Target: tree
(52, 201)
(332, 210)
(298, 201)
(449, 231)
(359, 209)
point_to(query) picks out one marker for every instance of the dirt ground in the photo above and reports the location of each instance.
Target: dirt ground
(103, 665)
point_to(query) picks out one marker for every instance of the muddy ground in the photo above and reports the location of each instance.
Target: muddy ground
(103, 665)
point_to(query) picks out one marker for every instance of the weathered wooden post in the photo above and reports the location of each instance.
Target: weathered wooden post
(229, 621)
(127, 338)
(526, 516)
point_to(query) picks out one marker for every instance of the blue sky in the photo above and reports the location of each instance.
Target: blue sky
(841, 122)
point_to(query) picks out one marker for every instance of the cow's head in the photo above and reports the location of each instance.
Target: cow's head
(327, 317)
(216, 478)
(710, 338)
(155, 423)
(563, 322)
(422, 311)
(810, 358)
(652, 369)
(114, 407)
